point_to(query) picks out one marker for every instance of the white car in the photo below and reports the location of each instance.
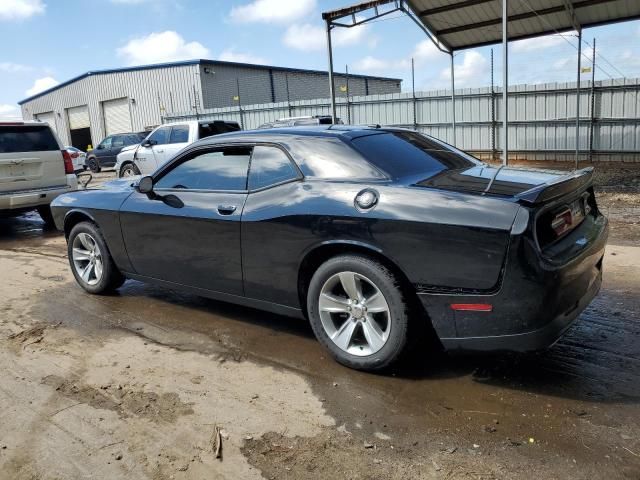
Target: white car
(78, 158)
(34, 169)
(164, 142)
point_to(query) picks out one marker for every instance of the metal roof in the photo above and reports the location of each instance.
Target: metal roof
(460, 24)
(200, 61)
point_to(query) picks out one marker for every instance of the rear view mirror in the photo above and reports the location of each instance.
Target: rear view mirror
(145, 185)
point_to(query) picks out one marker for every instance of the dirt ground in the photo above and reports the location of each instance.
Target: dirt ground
(134, 385)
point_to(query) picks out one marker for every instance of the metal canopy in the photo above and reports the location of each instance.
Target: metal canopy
(460, 24)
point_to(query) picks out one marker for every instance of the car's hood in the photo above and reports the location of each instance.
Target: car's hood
(125, 183)
(130, 147)
(487, 179)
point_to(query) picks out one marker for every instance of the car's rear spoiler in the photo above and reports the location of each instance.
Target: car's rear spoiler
(576, 180)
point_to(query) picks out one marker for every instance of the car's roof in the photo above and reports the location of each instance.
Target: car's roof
(277, 134)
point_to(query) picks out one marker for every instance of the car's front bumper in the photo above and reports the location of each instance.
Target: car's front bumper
(536, 302)
(23, 200)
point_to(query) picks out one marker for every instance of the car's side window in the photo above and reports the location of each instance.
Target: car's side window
(160, 136)
(179, 134)
(106, 143)
(270, 166)
(118, 142)
(221, 169)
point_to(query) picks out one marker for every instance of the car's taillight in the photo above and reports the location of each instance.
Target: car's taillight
(68, 164)
(562, 222)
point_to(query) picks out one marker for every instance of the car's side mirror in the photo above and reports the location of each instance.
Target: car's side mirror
(149, 143)
(145, 185)
(100, 147)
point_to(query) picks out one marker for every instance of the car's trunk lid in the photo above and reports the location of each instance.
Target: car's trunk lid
(519, 183)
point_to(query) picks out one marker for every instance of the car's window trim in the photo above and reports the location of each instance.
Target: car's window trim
(205, 148)
(299, 175)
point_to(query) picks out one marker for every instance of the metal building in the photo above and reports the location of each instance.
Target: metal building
(89, 107)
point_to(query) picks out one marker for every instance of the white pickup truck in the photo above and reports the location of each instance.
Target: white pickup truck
(34, 169)
(164, 142)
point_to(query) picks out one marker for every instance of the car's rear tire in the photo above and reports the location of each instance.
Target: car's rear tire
(358, 312)
(93, 165)
(90, 260)
(129, 170)
(45, 213)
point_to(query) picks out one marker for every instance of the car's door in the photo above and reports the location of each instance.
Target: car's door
(103, 151)
(178, 139)
(150, 155)
(117, 144)
(188, 230)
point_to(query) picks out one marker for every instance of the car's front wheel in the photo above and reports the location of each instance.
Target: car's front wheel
(129, 170)
(358, 312)
(93, 165)
(90, 260)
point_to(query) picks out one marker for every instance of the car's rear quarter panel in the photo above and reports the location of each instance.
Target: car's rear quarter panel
(438, 239)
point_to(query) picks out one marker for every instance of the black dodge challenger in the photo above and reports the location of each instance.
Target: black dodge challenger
(370, 233)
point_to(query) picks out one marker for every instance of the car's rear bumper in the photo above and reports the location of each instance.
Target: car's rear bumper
(22, 200)
(535, 304)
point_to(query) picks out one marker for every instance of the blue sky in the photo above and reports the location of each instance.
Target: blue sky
(50, 41)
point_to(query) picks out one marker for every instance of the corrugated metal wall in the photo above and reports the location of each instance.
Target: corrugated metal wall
(542, 117)
(225, 86)
(151, 93)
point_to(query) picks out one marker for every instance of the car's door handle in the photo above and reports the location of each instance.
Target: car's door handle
(160, 151)
(226, 209)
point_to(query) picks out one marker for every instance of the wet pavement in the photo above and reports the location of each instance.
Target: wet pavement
(569, 412)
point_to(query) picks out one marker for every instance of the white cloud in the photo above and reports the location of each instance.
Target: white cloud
(272, 11)
(230, 55)
(20, 9)
(11, 67)
(8, 111)
(423, 53)
(474, 66)
(542, 43)
(308, 37)
(130, 2)
(41, 84)
(161, 47)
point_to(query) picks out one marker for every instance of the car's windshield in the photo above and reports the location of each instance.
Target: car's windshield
(404, 154)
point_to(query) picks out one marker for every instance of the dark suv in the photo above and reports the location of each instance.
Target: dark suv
(104, 155)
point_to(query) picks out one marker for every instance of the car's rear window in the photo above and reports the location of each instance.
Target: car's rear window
(216, 128)
(27, 138)
(402, 154)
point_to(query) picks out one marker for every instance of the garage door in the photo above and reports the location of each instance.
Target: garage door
(79, 130)
(48, 117)
(78, 117)
(116, 116)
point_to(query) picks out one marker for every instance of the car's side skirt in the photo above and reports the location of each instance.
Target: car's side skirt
(224, 297)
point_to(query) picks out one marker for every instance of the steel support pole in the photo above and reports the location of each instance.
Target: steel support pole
(593, 102)
(453, 102)
(332, 91)
(578, 97)
(505, 83)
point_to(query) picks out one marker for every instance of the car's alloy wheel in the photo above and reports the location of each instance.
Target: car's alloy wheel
(87, 258)
(357, 310)
(354, 313)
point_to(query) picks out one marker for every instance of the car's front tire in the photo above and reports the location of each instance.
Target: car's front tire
(129, 170)
(358, 312)
(93, 165)
(90, 260)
